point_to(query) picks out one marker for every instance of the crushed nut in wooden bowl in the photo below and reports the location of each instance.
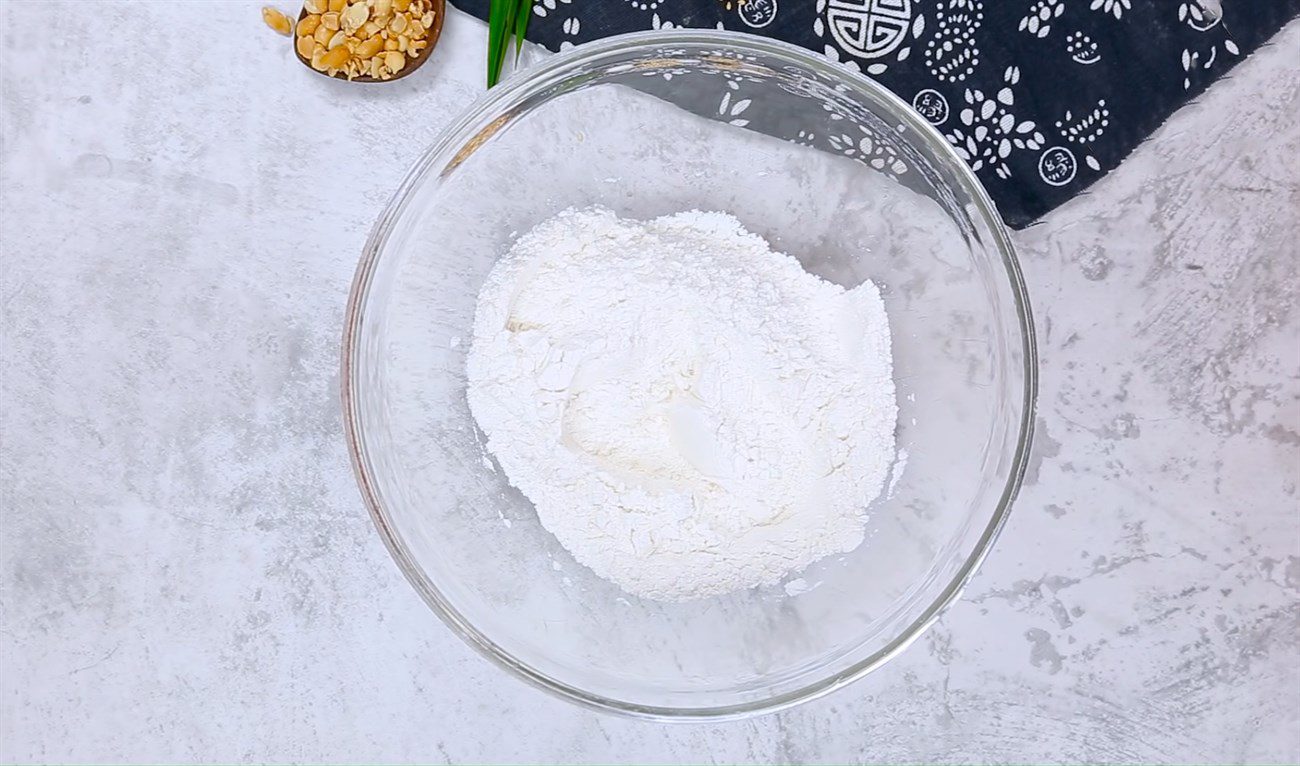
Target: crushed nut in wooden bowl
(363, 40)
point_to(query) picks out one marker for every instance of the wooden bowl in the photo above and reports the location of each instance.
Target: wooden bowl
(439, 8)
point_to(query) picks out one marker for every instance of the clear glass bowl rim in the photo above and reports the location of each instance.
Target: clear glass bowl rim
(520, 88)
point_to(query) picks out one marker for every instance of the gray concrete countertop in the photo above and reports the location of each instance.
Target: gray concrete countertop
(187, 573)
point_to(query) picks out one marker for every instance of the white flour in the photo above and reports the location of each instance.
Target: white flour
(690, 412)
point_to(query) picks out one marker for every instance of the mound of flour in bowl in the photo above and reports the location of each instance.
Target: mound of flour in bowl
(690, 412)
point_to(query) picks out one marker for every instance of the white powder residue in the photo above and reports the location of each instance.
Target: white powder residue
(797, 586)
(690, 412)
(896, 473)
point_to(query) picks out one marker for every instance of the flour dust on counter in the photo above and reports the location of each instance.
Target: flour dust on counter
(690, 412)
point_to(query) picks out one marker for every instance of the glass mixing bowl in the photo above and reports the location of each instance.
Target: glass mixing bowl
(830, 168)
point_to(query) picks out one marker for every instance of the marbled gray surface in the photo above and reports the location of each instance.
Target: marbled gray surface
(186, 571)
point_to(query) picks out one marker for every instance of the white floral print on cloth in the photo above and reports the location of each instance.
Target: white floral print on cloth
(1038, 21)
(989, 131)
(1116, 7)
(952, 54)
(866, 147)
(1040, 97)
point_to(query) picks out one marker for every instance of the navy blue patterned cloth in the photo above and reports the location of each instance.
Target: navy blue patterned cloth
(1040, 97)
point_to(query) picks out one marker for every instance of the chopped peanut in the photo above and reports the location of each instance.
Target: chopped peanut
(369, 48)
(308, 25)
(355, 15)
(335, 58)
(277, 21)
(370, 39)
